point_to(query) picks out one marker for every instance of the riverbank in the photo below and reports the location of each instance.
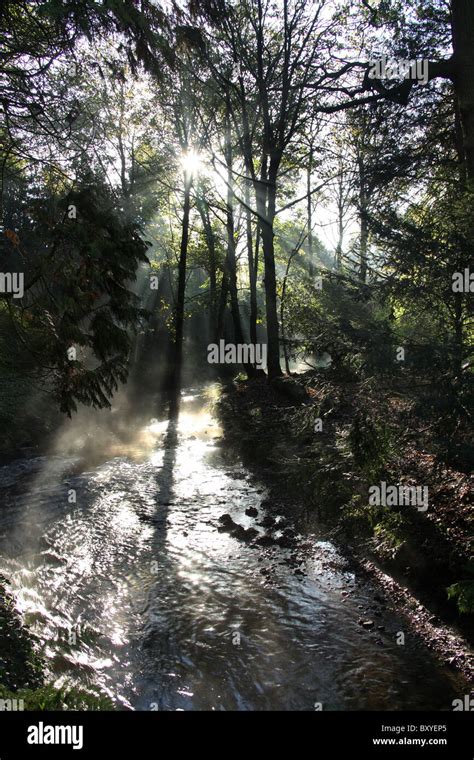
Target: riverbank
(190, 517)
(28, 417)
(320, 458)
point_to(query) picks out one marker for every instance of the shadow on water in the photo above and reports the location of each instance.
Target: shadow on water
(132, 589)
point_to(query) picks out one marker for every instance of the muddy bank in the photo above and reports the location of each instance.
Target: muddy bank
(319, 459)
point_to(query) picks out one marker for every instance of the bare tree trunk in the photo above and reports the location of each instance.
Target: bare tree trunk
(266, 211)
(231, 262)
(177, 353)
(364, 237)
(282, 311)
(340, 221)
(224, 295)
(252, 269)
(458, 311)
(203, 209)
(310, 213)
(340, 237)
(364, 228)
(458, 335)
(462, 14)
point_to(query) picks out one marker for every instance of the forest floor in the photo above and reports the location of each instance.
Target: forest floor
(370, 433)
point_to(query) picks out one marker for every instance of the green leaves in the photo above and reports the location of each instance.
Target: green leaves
(78, 293)
(463, 591)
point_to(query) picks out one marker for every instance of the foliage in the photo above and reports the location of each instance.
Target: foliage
(463, 592)
(47, 698)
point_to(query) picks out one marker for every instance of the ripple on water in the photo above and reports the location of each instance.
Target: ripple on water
(133, 590)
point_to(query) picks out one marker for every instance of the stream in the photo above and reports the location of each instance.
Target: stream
(121, 571)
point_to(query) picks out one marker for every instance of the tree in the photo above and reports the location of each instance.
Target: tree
(278, 59)
(74, 322)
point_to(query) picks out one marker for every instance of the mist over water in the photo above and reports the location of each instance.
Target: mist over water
(170, 613)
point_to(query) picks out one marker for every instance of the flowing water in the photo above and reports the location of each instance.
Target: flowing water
(133, 590)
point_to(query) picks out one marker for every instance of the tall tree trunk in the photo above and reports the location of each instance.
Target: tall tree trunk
(224, 295)
(462, 15)
(252, 269)
(266, 211)
(458, 265)
(177, 353)
(364, 227)
(231, 261)
(282, 311)
(364, 237)
(338, 256)
(203, 209)
(340, 217)
(310, 212)
(458, 353)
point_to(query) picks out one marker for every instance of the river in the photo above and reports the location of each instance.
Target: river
(121, 572)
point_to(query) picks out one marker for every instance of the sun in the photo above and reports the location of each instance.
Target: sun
(191, 162)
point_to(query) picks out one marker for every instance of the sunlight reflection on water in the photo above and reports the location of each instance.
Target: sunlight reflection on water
(157, 594)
